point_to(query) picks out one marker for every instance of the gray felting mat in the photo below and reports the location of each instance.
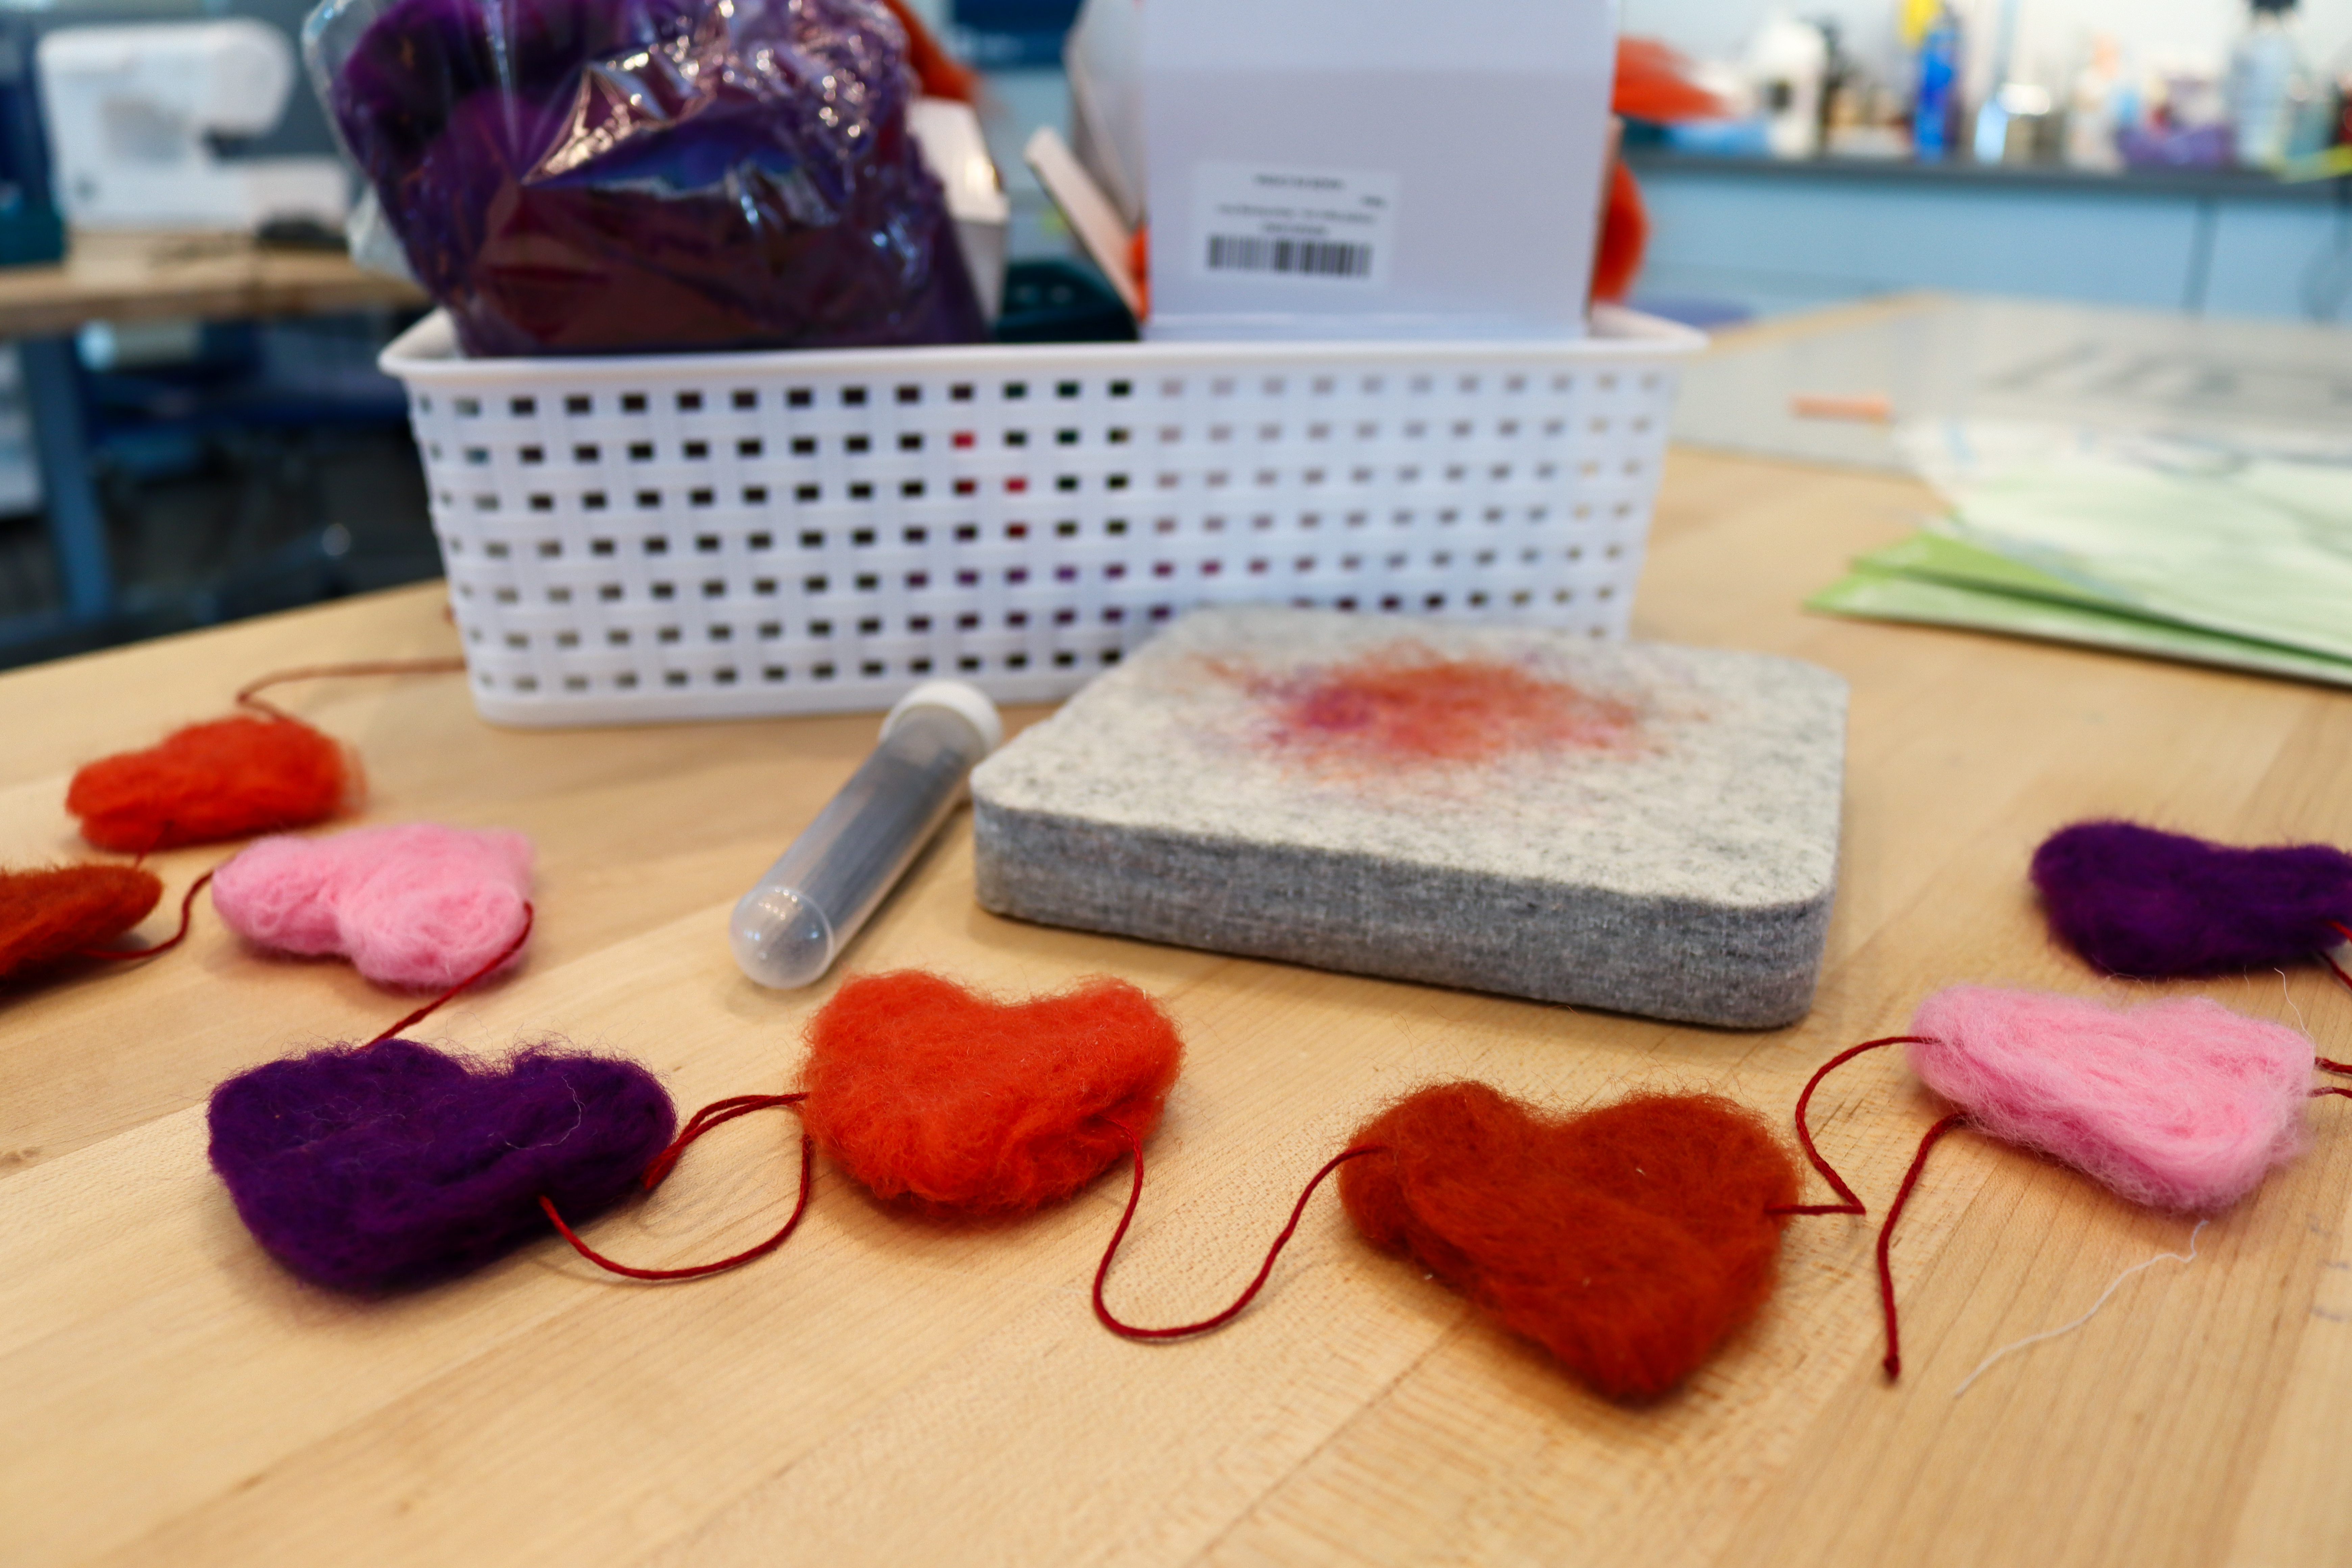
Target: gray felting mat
(1631, 825)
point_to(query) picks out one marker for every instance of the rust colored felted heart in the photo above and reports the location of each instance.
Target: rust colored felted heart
(929, 1093)
(48, 915)
(1629, 1241)
(209, 781)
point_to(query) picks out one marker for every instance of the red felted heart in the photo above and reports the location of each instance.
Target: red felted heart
(46, 915)
(926, 1091)
(209, 781)
(1629, 1241)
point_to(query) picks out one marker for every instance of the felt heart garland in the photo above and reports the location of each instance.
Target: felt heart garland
(2178, 1104)
(957, 1104)
(391, 1164)
(2136, 901)
(229, 777)
(49, 915)
(1629, 1241)
(418, 905)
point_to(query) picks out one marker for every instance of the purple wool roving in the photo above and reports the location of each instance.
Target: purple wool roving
(2137, 901)
(373, 1167)
(630, 177)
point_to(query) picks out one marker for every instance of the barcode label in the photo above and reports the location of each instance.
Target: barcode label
(1315, 258)
(1310, 229)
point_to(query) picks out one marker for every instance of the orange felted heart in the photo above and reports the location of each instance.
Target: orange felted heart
(1629, 1241)
(48, 915)
(960, 1103)
(209, 781)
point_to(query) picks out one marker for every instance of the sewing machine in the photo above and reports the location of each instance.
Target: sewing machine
(137, 115)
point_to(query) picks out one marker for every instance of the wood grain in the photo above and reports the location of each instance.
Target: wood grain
(132, 276)
(886, 1390)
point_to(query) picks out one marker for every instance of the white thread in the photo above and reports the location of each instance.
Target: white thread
(2290, 1001)
(2189, 1257)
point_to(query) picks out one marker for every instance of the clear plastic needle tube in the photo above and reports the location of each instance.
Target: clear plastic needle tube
(787, 930)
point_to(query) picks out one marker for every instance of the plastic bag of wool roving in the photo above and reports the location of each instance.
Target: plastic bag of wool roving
(2137, 901)
(585, 176)
(2178, 1104)
(418, 905)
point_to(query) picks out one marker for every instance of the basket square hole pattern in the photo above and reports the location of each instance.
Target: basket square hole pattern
(1020, 530)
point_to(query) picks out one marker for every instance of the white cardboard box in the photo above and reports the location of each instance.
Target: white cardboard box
(1371, 169)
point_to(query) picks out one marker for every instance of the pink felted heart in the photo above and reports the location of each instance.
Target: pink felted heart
(419, 905)
(2180, 1104)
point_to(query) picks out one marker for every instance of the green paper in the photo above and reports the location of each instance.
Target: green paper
(1939, 581)
(2257, 548)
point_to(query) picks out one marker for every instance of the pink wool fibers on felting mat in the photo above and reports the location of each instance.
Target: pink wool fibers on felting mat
(2180, 1104)
(419, 906)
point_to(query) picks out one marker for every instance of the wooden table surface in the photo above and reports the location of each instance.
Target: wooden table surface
(128, 276)
(884, 1390)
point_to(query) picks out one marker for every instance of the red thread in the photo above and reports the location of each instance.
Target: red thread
(1266, 1270)
(1894, 1363)
(2328, 958)
(2324, 1094)
(245, 698)
(1853, 1203)
(702, 1122)
(508, 952)
(187, 908)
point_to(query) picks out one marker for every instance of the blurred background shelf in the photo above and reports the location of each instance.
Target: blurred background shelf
(1763, 237)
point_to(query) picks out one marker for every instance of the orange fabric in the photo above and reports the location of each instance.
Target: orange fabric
(1629, 1241)
(221, 780)
(1138, 267)
(1624, 235)
(1654, 83)
(959, 1103)
(48, 915)
(940, 73)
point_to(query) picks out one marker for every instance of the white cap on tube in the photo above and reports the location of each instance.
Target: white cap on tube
(958, 697)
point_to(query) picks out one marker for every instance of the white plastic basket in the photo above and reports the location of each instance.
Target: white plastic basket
(719, 535)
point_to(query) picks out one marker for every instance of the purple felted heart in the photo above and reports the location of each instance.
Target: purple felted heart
(2137, 901)
(372, 1167)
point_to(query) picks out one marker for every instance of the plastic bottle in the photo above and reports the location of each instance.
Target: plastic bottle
(2269, 86)
(1788, 63)
(1935, 111)
(2095, 108)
